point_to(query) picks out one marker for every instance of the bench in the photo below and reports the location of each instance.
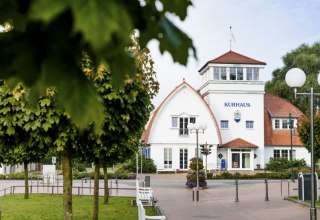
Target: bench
(144, 194)
(166, 170)
(142, 213)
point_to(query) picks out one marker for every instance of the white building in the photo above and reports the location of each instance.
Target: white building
(243, 124)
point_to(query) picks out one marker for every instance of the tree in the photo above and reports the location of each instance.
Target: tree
(305, 57)
(23, 129)
(44, 47)
(127, 110)
(304, 134)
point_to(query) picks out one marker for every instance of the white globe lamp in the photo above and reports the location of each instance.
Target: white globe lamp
(295, 78)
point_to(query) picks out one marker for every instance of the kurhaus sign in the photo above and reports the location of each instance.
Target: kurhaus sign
(237, 104)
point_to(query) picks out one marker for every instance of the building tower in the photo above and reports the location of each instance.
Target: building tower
(232, 87)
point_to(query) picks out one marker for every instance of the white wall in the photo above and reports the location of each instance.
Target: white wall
(185, 102)
(157, 154)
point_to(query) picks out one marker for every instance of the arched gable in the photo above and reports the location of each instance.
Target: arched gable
(167, 101)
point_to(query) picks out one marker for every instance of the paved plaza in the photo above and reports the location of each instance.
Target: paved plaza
(216, 202)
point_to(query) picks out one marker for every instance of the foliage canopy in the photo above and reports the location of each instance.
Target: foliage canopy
(48, 38)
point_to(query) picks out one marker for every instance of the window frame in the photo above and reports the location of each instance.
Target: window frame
(248, 122)
(224, 122)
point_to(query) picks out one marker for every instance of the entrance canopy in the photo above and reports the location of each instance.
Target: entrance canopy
(238, 143)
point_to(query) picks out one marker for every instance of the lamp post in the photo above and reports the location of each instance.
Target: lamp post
(291, 162)
(195, 128)
(295, 78)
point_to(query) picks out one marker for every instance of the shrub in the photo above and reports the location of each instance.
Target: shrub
(148, 165)
(280, 164)
(192, 174)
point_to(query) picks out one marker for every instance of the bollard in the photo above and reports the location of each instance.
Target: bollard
(197, 194)
(267, 194)
(193, 195)
(237, 191)
(281, 187)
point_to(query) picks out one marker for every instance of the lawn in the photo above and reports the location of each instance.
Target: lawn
(49, 207)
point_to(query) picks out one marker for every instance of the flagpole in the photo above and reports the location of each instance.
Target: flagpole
(230, 38)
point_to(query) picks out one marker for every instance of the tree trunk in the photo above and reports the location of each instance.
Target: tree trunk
(96, 192)
(67, 185)
(106, 187)
(26, 181)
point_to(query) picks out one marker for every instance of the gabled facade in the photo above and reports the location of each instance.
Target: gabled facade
(232, 101)
(277, 129)
(172, 145)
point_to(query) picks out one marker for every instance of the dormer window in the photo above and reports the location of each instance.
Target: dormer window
(253, 73)
(283, 123)
(220, 73)
(236, 73)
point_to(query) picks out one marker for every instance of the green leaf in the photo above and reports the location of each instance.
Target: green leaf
(99, 20)
(84, 105)
(46, 126)
(10, 131)
(47, 9)
(177, 6)
(45, 102)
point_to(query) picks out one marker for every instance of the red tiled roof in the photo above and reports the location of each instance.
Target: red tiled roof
(277, 107)
(232, 57)
(238, 143)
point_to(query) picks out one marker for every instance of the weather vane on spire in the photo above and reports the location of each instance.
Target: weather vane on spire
(232, 38)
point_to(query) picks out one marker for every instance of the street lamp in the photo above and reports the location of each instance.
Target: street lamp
(291, 162)
(295, 78)
(195, 128)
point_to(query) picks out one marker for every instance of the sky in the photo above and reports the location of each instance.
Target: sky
(264, 30)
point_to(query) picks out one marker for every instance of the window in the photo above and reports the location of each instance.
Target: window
(249, 124)
(219, 73)
(233, 74)
(236, 73)
(216, 74)
(284, 124)
(276, 153)
(147, 152)
(284, 153)
(184, 159)
(240, 159)
(256, 74)
(167, 158)
(253, 73)
(183, 126)
(224, 124)
(174, 122)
